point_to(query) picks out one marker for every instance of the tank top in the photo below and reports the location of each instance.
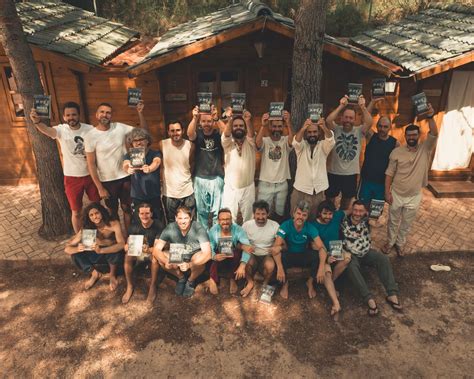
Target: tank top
(177, 181)
(376, 159)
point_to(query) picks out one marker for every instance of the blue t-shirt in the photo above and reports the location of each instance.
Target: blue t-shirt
(238, 235)
(146, 186)
(297, 241)
(331, 231)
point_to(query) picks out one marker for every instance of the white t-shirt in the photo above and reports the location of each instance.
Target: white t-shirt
(177, 180)
(344, 158)
(261, 237)
(72, 148)
(239, 168)
(109, 148)
(275, 167)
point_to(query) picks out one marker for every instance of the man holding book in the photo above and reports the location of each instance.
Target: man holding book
(275, 167)
(230, 249)
(71, 140)
(189, 250)
(313, 143)
(177, 167)
(261, 232)
(296, 244)
(344, 164)
(209, 160)
(406, 175)
(238, 141)
(144, 232)
(105, 148)
(355, 231)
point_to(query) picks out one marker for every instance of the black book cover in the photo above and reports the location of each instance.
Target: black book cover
(225, 246)
(42, 105)
(238, 102)
(335, 249)
(376, 208)
(354, 90)
(137, 156)
(134, 96)
(315, 111)
(378, 88)
(204, 101)
(421, 103)
(88, 238)
(276, 111)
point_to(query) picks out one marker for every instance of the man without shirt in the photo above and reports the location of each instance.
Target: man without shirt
(71, 140)
(344, 163)
(177, 167)
(150, 230)
(295, 245)
(194, 237)
(105, 148)
(275, 167)
(261, 232)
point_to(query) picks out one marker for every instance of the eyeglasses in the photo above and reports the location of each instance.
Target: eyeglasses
(139, 140)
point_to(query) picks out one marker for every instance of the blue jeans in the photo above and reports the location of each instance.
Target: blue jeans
(371, 190)
(87, 259)
(208, 193)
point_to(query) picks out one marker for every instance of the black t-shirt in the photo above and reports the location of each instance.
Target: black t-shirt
(193, 238)
(146, 186)
(150, 233)
(209, 155)
(376, 159)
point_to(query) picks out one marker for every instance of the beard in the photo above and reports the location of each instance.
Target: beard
(104, 121)
(312, 140)
(412, 143)
(238, 133)
(72, 123)
(276, 134)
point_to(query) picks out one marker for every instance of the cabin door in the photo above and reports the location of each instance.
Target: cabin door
(221, 83)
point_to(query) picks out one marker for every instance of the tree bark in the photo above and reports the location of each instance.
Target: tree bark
(55, 209)
(307, 71)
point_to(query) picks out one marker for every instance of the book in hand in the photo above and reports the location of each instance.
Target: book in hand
(204, 101)
(225, 246)
(237, 103)
(135, 245)
(315, 112)
(276, 111)
(376, 208)
(354, 90)
(421, 103)
(267, 294)
(88, 238)
(335, 249)
(134, 96)
(179, 253)
(378, 88)
(42, 105)
(137, 157)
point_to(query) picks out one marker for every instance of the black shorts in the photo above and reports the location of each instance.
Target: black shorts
(258, 263)
(347, 184)
(172, 204)
(118, 190)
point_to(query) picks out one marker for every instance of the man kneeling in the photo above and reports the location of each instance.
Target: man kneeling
(189, 251)
(296, 244)
(230, 247)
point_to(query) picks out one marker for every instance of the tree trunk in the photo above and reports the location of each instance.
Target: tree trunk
(55, 209)
(307, 72)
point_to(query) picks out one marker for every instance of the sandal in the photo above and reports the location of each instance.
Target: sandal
(395, 306)
(372, 312)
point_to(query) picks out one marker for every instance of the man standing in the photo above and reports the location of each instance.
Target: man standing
(406, 175)
(377, 152)
(209, 160)
(261, 232)
(105, 148)
(311, 153)
(295, 245)
(355, 232)
(76, 176)
(149, 229)
(193, 239)
(177, 182)
(344, 163)
(238, 141)
(230, 251)
(275, 167)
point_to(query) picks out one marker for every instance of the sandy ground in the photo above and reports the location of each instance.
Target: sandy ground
(50, 327)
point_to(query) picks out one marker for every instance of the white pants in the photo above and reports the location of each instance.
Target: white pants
(274, 191)
(235, 198)
(402, 213)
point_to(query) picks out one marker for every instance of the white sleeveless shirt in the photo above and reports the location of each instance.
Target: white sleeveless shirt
(177, 181)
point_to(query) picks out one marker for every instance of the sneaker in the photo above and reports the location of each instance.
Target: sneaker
(189, 289)
(180, 286)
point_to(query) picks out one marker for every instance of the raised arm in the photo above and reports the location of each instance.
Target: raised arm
(261, 132)
(192, 127)
(300, 133)
(366, 116)
(42, 127)
(141, 116)
(247, 116)
(331, 119)
(431, 121)
(228, 127)
(287, 120)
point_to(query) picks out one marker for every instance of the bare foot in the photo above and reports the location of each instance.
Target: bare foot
(311, 290)
(150, 299)
(336, 308)
(127, 295)
(247, 289)
(113, 283)
(399, 251)
(233, 287)
(386, 249)
(284, 291)
(95, 276)
(213, 287)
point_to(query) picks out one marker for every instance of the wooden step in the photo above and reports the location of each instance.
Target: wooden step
(457, 189)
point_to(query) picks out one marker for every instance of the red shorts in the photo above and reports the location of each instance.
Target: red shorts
(75, 188)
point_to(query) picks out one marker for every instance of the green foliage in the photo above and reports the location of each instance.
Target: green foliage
(345, 21)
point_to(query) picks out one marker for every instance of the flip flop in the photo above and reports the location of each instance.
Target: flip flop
(439, 267)
(372, 312)
(395, 306)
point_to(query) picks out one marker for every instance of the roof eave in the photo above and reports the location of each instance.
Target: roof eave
(446, 65)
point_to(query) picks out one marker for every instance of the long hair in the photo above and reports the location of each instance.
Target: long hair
(86, 221)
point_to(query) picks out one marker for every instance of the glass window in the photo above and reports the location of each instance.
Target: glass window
(221, 84)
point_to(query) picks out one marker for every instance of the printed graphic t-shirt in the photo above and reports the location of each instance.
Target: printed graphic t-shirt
(344, 158)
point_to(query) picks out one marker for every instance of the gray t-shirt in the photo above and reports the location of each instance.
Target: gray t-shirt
(195, 236)
(344, 158)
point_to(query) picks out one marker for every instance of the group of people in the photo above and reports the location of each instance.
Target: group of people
(190, 191)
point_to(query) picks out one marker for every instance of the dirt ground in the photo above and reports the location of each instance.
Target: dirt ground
(50, 327)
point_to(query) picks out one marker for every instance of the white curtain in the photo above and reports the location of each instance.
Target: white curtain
(456, 137)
